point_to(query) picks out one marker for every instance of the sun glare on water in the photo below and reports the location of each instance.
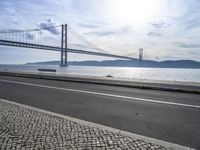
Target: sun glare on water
(135, 11)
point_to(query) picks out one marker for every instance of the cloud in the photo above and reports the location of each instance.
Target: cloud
(189, 15)
(160, 25)
(77, 46)
(120, 31)
(192, 22)
(49, 25)
(154, 34)
(85, 25)
(189, 45)
(178, 21)
(100, 33)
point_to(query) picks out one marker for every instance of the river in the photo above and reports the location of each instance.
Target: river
(163, 74)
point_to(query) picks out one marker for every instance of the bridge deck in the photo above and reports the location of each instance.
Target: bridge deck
(53, 48)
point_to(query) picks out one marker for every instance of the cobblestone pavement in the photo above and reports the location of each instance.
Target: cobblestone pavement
(24, 128)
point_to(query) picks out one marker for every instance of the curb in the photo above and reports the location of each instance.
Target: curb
(168, 145)
(102, 81)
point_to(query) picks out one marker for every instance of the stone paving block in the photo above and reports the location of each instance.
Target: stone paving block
(23, 128)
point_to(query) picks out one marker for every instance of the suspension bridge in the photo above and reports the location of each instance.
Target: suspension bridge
(61, 38)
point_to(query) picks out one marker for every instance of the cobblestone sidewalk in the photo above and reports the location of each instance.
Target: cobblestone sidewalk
(24, 128)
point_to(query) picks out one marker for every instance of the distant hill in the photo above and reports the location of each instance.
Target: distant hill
(130, 63)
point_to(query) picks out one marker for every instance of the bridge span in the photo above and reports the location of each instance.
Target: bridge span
(18, 38)
(58, 49)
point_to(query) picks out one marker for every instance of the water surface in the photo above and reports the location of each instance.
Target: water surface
(164, 74)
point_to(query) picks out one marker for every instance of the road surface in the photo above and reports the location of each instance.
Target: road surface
(169, 116)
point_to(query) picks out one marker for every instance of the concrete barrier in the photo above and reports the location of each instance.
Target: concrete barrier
(183, 88)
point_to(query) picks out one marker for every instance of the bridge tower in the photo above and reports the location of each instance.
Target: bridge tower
(140, 54)
(63, 61)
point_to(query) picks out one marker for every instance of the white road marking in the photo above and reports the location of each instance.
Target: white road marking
(102, 94)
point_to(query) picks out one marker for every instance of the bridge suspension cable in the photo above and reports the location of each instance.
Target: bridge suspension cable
(84, 39)
(28, 30)
(51, 40)
(34, 36)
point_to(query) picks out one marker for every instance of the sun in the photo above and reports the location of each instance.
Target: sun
(134, 11)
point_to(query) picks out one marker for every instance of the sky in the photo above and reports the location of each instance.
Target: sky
(165, 29)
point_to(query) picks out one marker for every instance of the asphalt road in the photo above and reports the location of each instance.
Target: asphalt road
(169, 116)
